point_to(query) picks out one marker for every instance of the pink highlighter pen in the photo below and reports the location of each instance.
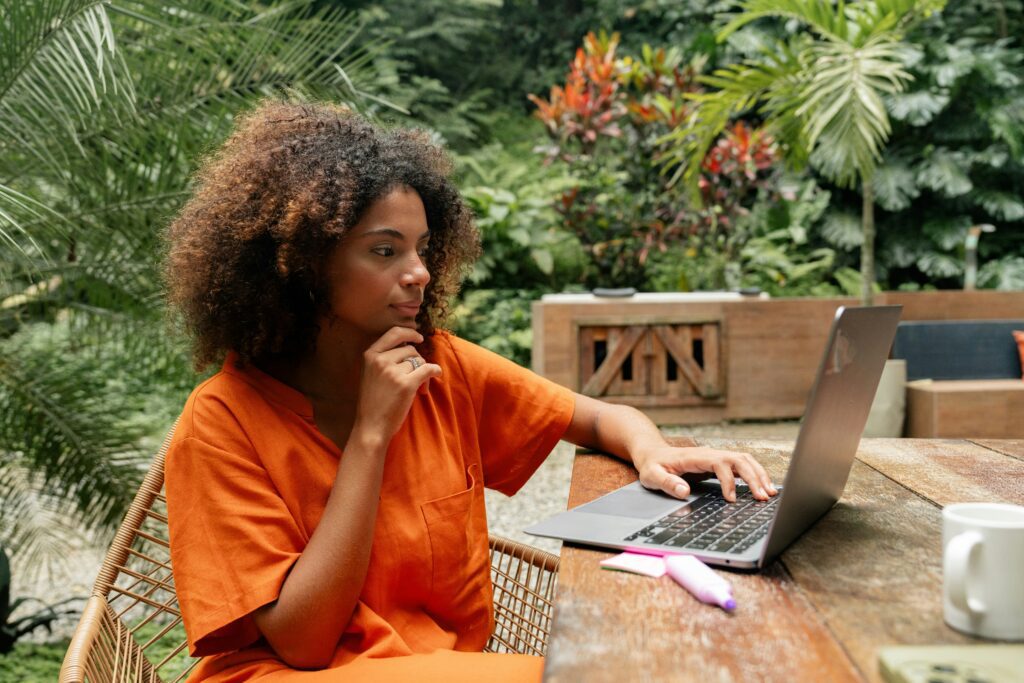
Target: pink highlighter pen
(699, 579)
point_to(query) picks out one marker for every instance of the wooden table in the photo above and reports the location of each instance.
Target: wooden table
(867, 575)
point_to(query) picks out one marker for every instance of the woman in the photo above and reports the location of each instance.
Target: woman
(325, 488)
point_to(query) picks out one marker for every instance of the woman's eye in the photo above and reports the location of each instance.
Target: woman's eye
(424, 250)
(384, 251)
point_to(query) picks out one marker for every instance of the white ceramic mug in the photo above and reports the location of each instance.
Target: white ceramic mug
(983, 569)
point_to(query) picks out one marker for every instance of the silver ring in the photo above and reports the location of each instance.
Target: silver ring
(415, 361)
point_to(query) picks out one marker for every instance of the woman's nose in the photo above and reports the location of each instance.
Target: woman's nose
(417, 273)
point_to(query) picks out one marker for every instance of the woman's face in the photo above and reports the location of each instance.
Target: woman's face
(377, 273)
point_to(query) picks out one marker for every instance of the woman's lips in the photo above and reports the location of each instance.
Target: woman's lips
(407, 309)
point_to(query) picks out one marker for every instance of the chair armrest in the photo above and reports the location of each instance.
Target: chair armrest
(102, 650)
(524, 580)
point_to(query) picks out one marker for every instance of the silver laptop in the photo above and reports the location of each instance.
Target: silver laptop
(750, 533)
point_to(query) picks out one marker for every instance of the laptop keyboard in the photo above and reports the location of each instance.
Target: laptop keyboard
(711, 523)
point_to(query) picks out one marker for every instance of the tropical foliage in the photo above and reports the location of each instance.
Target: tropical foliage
(956, 158)
(498, 319)
(105, 107)
(820, 91)
(608, 124)
(510, 191)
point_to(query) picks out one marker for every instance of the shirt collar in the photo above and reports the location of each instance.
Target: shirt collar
(271, 388)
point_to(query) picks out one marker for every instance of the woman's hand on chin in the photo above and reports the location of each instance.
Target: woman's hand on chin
(392, 372)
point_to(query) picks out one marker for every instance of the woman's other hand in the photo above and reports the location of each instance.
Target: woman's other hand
(627, 433)
(664, 467)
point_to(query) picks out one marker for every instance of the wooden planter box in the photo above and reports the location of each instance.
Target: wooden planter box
(965, 409)
(705, 357)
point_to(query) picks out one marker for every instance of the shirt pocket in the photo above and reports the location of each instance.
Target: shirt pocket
(460, 595)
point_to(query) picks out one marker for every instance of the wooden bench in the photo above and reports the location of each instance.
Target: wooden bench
(963, 378)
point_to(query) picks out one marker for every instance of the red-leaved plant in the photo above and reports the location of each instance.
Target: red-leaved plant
(608, 124)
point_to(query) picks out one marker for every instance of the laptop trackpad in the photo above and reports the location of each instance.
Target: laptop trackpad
(632, 501)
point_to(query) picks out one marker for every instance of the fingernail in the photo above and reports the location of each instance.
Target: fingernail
(681, 490)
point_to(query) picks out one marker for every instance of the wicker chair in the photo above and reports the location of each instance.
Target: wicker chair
(131, 627)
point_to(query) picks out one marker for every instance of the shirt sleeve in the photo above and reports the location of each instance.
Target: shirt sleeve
(233, 542)
(520, 415)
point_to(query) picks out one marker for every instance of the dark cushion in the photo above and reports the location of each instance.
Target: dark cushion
(958, 349)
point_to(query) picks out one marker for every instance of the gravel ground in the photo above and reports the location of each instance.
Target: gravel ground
(545, 494)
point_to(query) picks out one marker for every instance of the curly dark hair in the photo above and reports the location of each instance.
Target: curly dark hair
(246, 254)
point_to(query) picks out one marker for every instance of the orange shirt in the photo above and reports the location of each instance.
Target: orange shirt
(248, 475)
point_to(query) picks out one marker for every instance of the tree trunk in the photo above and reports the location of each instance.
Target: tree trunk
(867, 250)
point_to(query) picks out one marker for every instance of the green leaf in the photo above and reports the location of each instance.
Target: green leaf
(798, 234)
(894, 186)
(1004, 274)
(846, 120)
(60, 68)
(917, 108)
(544, 260)
(503, 196)
(498, 212)
(750, 41)
(938, 265)
(843, 230)
(521, 236)
(902, 255)
(947, 233)
(1006, 121)
(849, 281)
(945, 171)
(1002, 205)
(995, 156)
(959, 62)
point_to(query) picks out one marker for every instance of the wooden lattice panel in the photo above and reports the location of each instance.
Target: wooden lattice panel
(652, 365)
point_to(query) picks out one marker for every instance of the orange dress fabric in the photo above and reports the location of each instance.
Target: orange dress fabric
(247, 478)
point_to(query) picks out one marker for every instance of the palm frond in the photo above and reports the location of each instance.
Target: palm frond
(38, 526)
(197, 64)
(820, 92)
(892, 17)
(59, 69)
(58, 421)
(844, 108)
(79, 429)
(59, 65)
(235, 55)
(17, 210)
(821, 16)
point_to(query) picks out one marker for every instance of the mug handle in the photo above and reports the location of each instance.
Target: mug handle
(958, 556)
